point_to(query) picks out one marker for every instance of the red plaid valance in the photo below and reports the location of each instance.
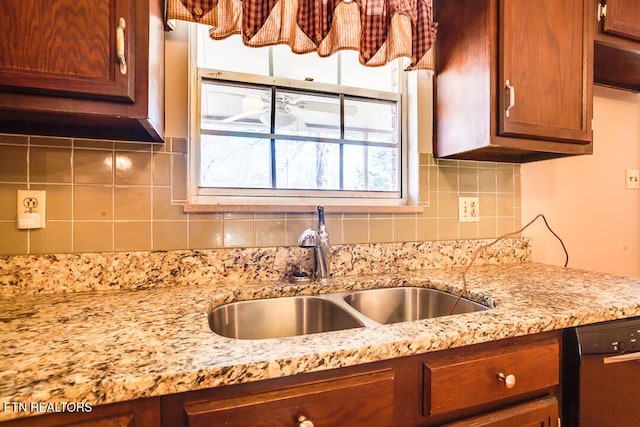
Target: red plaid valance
(381, 30)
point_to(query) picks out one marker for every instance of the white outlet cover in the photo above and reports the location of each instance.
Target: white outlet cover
(23, 205)
(468, 209)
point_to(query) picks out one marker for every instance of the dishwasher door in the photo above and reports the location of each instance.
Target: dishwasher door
(609, 392)
(601, 376)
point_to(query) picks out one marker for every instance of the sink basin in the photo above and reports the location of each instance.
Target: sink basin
(392, 305)
(279, 317)
(301, 315)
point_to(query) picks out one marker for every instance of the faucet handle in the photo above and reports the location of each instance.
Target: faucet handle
(307, 239)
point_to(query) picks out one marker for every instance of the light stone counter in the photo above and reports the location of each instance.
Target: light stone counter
(108, 346)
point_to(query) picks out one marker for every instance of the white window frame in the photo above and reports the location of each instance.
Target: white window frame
(213, 197)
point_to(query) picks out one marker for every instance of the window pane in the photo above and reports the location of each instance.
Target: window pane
(287, 64)
(373, 121)
(355, 167)
(307, 115)
(244, 109)
(223, 54)
(307, 165)
(354, 74)
(383, 169)
(370, 168)
(233, 162)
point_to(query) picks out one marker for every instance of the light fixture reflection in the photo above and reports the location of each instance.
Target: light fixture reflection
(123, 162)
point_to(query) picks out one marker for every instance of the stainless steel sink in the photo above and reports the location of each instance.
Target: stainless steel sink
(280, 317)
(392, 305)
(300, 315)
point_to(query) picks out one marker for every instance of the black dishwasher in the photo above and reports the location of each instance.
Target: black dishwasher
(601, 374)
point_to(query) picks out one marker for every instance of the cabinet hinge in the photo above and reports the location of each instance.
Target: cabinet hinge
(602, 11)
(592, 124)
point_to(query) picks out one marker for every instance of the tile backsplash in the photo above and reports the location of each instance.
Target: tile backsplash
(105, 196)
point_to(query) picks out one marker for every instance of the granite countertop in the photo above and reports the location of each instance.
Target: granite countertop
(108, 346)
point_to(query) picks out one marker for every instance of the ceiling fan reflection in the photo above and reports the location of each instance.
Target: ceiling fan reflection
(288, 109)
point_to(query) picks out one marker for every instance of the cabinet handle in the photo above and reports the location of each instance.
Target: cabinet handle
(304, 422)
(602, 11)
(509, 380)
(622, 358)
(120, 45)
(512, 98)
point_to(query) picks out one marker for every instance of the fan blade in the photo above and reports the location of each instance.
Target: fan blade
(325, 107)
(241, 116)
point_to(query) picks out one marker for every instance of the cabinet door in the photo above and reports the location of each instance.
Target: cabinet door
(67, 48)
(360, 400)
(623, 18)
(544, 85)
(538, 413)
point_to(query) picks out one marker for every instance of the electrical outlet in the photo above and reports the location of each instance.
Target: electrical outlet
(32, 202)
(468, 209)
(632, 178)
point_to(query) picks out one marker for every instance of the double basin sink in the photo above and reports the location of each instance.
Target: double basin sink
(301, 315)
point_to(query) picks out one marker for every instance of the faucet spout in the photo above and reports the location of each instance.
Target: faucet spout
(318, 239)
(322, 248)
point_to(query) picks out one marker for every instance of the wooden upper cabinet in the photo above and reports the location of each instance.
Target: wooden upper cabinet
(622, 18)
(617, 44)
(513, 79)
(541, 70)
(83, 68)
(67, 48)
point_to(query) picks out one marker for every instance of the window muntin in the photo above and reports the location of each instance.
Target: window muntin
(297, 138)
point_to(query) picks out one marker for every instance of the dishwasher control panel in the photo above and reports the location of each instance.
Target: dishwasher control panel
(617, 336)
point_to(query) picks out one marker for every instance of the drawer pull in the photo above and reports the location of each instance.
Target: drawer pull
(509, 380)
(304, 422)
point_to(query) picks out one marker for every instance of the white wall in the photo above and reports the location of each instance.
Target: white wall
(584, 198)
(177, 81)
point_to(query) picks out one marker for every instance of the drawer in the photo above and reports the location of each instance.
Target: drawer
(542, 412)
(474, 378)
(356, 400)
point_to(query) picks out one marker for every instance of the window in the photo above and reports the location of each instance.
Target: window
(269, 127)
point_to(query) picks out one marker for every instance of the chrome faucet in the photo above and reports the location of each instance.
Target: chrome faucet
(318, 239)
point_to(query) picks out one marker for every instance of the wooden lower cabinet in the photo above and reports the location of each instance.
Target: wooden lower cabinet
(505, 383)
(494, 384)
(358, 400)
(467, 380)
(538, 413)
(462, 385)
(364, 395)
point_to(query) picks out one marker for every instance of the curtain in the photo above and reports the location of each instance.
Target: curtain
(380, 30)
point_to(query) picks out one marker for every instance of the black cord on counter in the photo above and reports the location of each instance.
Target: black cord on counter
(504, 236)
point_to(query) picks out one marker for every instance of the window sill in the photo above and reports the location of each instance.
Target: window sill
(405, 209)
